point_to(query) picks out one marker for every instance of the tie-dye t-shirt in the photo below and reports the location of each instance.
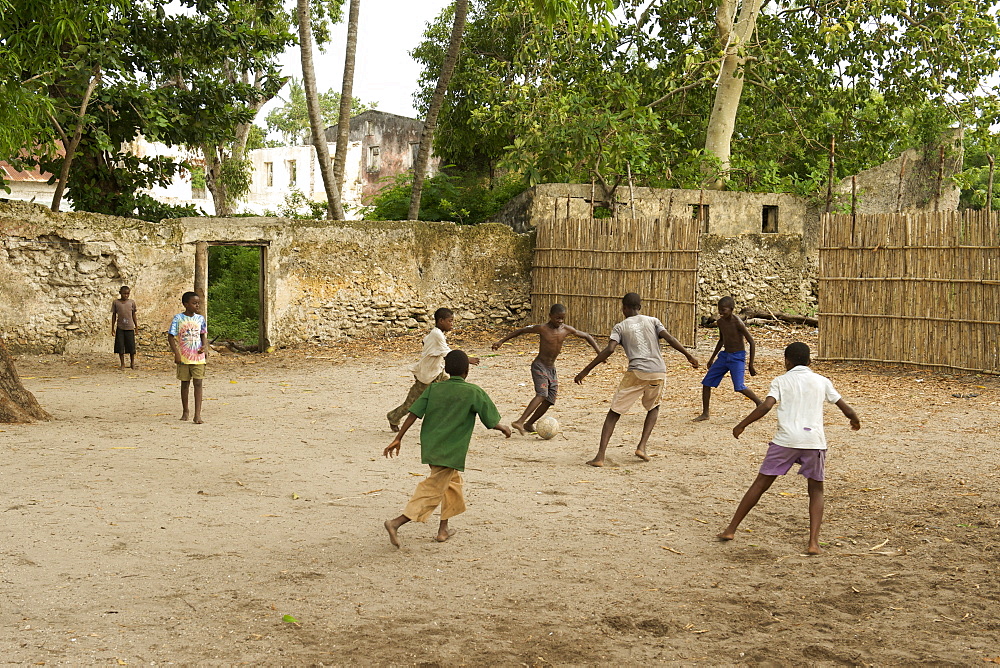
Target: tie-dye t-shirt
(188, 330)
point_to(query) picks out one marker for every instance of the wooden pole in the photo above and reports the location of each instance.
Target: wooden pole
(989, 192)
(631, 192)
(899, 189)
(829, 179)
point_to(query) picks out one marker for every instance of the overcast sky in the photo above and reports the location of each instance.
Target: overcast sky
(384, 72)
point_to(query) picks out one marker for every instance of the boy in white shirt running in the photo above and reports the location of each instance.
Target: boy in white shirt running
(800, 394)
(430, 367)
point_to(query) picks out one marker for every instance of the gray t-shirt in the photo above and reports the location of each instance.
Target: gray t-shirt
(126, 313)
(638, 335)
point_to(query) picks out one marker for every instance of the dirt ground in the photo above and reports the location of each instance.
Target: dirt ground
(129, 537)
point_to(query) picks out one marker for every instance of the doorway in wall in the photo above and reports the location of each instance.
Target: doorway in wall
(236, 291)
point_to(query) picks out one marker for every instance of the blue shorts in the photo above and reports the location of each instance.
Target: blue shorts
(734, 364)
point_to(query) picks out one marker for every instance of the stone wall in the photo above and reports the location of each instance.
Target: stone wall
(326, 280)
(760, 271)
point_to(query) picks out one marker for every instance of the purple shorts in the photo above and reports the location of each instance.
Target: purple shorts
(734, 363)
(779, 460)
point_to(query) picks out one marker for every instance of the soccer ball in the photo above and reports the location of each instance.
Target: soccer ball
(547, 427)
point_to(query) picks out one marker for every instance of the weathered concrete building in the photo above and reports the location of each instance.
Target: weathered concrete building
(322, 280)
(388, 146)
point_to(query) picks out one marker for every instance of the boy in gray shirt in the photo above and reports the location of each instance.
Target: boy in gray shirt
(639, 335)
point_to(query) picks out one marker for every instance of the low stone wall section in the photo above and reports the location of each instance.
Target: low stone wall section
(327, 280)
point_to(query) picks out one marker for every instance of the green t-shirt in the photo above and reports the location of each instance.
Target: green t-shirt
(449, 410)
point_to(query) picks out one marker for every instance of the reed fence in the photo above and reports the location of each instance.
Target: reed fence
(920, 289)
(587, 264)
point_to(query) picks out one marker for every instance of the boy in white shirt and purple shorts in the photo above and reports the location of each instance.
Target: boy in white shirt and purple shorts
(800, 439)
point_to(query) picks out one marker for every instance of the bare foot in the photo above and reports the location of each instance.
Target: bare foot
(393, 427)
(530, 428)
(198, 420)
(596, 462)
(519, 427)
(185, 416)
(393, 538)
(442, 537)
(814, 549)
(701, 418)
(641, 454)
(725, 535)
(133, 367)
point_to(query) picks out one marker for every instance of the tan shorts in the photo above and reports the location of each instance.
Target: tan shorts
(634, 384)
(191, 371)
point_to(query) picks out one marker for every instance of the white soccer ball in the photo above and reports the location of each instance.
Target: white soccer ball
(547, 427)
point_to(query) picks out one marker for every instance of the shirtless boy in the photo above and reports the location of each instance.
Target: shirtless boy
(543, 368)
(732, 359)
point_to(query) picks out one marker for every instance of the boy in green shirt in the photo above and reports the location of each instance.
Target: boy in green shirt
(449, 409)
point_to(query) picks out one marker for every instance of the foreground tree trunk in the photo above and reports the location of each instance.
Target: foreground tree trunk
(430, 123)
(734, 33)
(346, 98)
(334, 208)
(16, 403)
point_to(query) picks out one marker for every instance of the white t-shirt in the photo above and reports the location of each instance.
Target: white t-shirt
(800, 394)
(638, 335)
(431, 362)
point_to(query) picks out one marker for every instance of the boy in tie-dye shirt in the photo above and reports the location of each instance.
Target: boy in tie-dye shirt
(187, 337)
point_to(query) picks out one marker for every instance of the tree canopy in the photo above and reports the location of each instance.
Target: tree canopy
(565, 90)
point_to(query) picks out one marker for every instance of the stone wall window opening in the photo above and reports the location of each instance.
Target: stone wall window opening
(700, 213)
(269, 174)
(414, 151)
(293, 176)
(769, 219)
(369, 128)
(374, 158)
(233, 275)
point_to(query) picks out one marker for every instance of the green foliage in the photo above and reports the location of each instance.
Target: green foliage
(292, 118)
(171, 72)
(297, 206)
(467, 199)
(975, 180)
(233, 293)
(563, 90)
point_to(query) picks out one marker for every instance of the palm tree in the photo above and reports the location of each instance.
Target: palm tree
(430, 123)
(346, 95)
(334, 209)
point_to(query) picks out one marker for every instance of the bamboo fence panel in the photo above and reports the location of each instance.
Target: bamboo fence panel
(918, 289)
(587, 264)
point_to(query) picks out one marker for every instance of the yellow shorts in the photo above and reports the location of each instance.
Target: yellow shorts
(648, 386)
(191, 371)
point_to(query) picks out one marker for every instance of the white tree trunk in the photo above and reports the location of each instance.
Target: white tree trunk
(346, 98)
(734, 34)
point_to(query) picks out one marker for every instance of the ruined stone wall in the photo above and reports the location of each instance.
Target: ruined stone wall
(327, 280)
(760, 271)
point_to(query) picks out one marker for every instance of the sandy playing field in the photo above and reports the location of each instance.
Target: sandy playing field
(129, 537)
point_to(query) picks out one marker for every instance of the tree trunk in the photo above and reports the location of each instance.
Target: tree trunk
(430, 123)
(16, 403)
(346, 97)
(734, 33)
(71, 144)
(214, 182)
(334, 207)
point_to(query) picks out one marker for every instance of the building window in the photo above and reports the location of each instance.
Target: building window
(368, 128)
(700, 213)
(293, 176)
(269, 174)
(414, 151)
(373, 159)
(769, 220)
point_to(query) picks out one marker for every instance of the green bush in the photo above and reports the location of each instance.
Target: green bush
(463, 199)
